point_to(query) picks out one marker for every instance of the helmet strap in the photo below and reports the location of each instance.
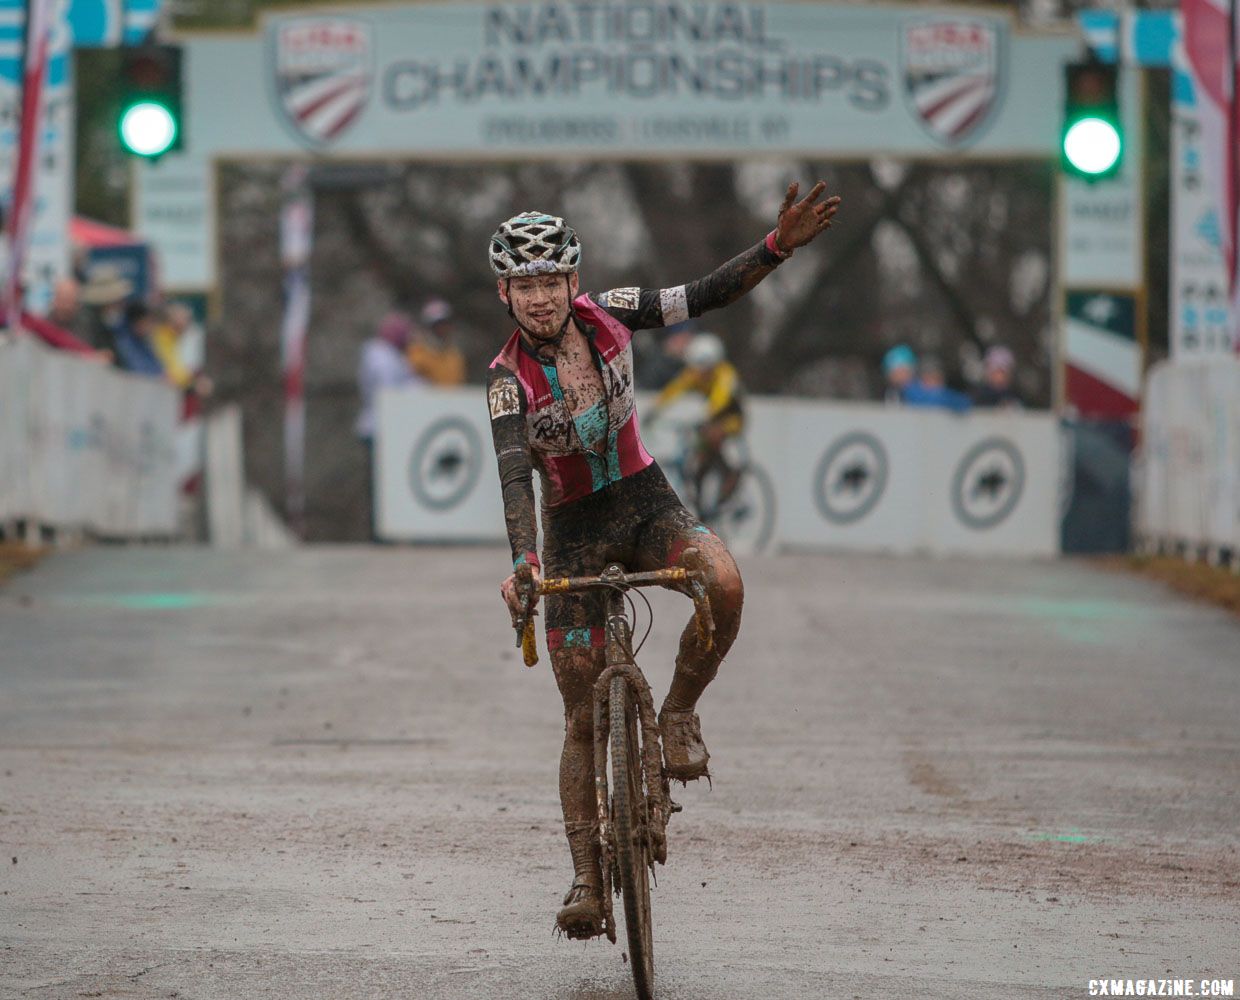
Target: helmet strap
(542, 342)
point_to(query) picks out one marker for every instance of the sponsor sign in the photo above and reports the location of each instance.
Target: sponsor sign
(1199, 312)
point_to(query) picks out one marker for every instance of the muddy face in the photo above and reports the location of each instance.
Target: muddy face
(540, 303)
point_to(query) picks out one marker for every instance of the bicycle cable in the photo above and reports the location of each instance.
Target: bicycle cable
(632, 615)
(649, 620)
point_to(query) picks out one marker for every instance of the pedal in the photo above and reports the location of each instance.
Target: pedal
(674, 805)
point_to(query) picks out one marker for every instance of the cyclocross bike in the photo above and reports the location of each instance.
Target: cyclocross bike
(632, 792)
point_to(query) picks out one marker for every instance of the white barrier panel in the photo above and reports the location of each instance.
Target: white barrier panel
(1188, 471)
(862, 477)
(435, 471)
(83, 445)
(856, 481)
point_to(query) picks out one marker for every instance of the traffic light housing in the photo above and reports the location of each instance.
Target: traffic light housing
(150, 122)
(1092, 141)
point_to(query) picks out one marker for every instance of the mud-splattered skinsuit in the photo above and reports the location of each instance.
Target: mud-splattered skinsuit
(605, 500)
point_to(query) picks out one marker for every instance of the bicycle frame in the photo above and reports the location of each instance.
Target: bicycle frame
(620, 661)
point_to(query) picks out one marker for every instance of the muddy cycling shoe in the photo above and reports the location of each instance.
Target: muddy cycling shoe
(582, 914)
(684, 754)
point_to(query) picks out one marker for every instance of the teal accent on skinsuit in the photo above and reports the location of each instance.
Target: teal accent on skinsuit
(553, 377)
(702, 529)
(591, 428)
(605, 469)
(577, 638)
(592, 425)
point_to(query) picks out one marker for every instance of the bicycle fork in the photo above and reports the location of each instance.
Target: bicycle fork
(657, 800)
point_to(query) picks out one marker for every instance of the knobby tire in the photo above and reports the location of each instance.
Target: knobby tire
(629, 826)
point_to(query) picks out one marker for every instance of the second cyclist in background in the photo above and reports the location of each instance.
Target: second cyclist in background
(718, 448)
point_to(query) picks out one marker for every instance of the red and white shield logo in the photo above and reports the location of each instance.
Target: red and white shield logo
(323, 74)
(952, 75)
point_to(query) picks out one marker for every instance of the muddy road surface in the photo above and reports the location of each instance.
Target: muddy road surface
(327, 774)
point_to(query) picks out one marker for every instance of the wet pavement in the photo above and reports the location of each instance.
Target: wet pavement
(327, 774)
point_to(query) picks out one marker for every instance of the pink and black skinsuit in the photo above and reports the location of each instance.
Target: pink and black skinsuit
(607, 505)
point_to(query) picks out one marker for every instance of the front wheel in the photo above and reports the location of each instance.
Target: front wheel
(629, 824)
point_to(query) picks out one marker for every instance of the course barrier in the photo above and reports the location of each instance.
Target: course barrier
(843, 476)
(1188, 466)
(83, 446)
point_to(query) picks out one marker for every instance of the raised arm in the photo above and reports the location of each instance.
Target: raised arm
(798, 223)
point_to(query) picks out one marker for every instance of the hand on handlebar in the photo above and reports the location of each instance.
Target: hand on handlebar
(513, 598)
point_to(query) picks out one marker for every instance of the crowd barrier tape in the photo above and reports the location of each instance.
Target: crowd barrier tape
(83, 446)
(1188, 466)
(844, 476)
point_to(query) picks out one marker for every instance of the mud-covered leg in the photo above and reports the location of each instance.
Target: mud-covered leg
(696, 666)
(576, 668)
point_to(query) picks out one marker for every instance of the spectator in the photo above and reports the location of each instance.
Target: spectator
(899, 368)
(996, 389)
(105, 293)
(54, 336)
(134, 351)
(433, 353)
(383, 364)
(930, 389)
(174, 345)
(66, 310)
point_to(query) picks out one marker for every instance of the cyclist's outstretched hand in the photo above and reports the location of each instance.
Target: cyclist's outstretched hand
(508, 590)
(800, 221)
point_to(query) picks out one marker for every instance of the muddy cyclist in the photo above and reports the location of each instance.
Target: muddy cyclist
(560, 395)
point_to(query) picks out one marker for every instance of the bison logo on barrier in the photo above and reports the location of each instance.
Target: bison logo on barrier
(952, 75)
(444, 466)
(322, 74)
(851, 477)
(988, 483)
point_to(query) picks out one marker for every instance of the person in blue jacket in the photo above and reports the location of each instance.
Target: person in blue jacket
(132, 340)
(913, 387)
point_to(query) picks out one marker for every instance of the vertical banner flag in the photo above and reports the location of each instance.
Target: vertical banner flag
(38, 24)
(296, 236)
(1210, 43)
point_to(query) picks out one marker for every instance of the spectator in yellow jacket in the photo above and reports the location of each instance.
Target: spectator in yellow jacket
(433, 354)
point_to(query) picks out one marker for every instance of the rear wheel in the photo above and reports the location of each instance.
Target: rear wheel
(629, 821)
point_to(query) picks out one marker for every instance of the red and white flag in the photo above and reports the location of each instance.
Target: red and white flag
(1211, 42)
(21, 206)
(296, 238)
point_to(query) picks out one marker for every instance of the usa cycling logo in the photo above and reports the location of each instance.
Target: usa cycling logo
(953, 75)
(323, 74)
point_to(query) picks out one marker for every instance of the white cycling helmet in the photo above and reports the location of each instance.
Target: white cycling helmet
(534, 243)
(704, 351)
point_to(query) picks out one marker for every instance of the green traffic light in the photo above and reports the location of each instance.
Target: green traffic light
(1092, 146)
(148, 128)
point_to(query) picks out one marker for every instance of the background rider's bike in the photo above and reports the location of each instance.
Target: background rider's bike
(632, 792)
(745, 520)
